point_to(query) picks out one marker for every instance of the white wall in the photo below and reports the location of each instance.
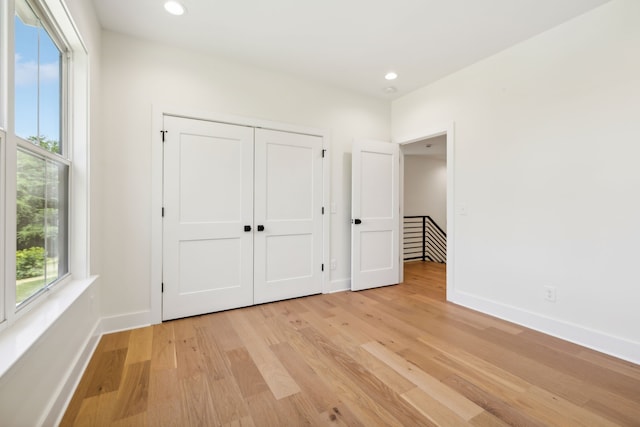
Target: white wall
(34, 391)
(137, 74)
(546, 140)
(425, 188)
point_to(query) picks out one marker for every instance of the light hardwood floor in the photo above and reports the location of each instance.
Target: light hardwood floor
(394, 356)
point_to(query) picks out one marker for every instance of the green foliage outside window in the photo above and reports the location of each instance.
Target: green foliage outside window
(30, 263)
(38, 191)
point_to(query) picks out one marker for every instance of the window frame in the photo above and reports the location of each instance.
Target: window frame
(3, 266)
(48, 25)
(9, 311)
(46, 155)
(54, 32)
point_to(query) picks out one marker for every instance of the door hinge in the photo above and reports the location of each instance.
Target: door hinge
(162, 287)
(323, 267)
(323, 210)
(163, 132)
(323, 151)
(163, 212)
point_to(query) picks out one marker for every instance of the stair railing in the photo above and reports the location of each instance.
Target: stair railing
(424, 239)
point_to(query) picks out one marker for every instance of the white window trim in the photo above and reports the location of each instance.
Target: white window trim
(49, 22)
(36, 151)
(3, 144)
(20, 330)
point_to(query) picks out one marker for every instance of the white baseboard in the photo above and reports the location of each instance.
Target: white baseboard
(124, 322)
(68, 386)
(339, 285)
(596, 340)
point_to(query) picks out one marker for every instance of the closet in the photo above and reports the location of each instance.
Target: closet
(242, 216)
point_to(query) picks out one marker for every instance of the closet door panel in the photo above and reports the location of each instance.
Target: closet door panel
(288, 204)
(208, 199)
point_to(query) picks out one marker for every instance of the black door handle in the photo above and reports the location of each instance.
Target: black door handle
(260, 227)
(357, 221)
(247, 228)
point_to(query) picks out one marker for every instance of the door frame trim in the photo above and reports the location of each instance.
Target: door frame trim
(158, 112)
(447, 129)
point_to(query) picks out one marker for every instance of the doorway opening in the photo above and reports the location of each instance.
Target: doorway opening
(426, 214)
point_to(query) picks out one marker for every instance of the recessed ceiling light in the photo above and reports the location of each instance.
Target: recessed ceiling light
(391, 76)
(174, 8)
(390, 89)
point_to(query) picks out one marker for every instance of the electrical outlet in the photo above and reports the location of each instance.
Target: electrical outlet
(550, 293)
(333, 264)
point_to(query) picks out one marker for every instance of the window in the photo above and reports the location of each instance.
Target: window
(36, 163)
(41, 218)
(38, 81)
(41, 171)
(3, 267)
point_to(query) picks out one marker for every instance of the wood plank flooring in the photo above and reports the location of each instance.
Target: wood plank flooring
(394, 356)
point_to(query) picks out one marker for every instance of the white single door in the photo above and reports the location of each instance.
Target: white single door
(288, 215)
(208, 202)
(375, 215)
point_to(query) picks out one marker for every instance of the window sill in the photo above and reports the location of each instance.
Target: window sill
(18, 338)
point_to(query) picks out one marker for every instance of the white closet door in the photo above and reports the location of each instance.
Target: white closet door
(375, 259)
(288, 204)
(208, 201)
